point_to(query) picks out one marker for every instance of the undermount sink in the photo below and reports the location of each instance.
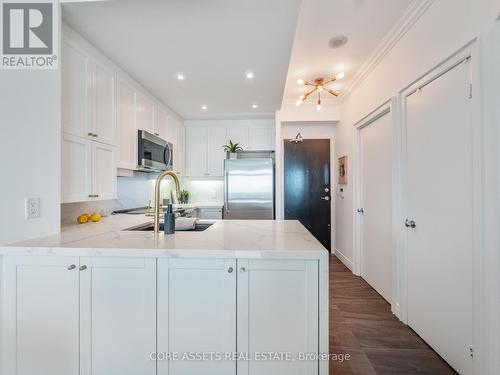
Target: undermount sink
(149, 227)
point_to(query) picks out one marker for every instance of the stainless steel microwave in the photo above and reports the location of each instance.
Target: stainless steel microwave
(155, 153)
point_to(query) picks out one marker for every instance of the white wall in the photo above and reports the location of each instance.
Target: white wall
(443, 29)
(30, 152)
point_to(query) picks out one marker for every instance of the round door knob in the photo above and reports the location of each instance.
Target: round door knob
(242, 269)
(230, 270)
(327, 190)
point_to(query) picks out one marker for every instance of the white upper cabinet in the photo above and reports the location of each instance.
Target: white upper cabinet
(104, 103)
(179, 146)
(162, 123)
(88, 170)
(145, 113)
(76, 165)
(88, 95)
(104, 180)
(127, 131)
(238, 134)
(217, 137)
(260, 138)
(197, 159)
(76, 81)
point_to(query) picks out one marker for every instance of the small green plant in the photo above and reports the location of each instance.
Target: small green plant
(184, 196)
(232, 147)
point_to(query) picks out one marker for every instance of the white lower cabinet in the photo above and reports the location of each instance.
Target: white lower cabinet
(111, 315)
(196, 314)
(40, 310)
(81, 316)
(277, 313)
(117, 316)
(253, 307)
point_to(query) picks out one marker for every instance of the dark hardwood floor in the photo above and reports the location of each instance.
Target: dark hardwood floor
(362, 325)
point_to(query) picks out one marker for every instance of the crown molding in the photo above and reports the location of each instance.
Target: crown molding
(412, 14)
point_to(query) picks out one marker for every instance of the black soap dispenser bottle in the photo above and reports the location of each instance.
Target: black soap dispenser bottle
(169, 224)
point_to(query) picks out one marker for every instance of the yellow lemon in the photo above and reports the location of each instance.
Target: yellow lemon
(87, 215)
(95, 217)
(82, 219)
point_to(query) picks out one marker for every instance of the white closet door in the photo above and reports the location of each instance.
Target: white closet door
(376, 201)
(440, 201)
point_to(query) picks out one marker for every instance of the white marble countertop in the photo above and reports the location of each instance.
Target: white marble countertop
(225, 238)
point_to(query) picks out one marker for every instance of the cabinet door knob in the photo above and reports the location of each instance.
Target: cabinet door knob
(90, 134)
(230, 270)
(71, 267)
(242, 269)
(83, 268)
(95, 135)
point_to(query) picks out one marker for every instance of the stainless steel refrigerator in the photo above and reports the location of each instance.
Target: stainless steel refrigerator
(249, 189)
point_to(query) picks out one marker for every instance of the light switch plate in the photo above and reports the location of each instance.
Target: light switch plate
(33, 208)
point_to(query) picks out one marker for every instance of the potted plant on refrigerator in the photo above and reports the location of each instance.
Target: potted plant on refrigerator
(232, 150)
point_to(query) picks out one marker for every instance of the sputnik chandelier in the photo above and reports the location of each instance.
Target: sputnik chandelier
(319, 86)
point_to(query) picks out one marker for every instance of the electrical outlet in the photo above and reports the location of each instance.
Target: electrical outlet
(32, 208)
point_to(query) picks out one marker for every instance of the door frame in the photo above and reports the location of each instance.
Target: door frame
(387, 108)
(470, 55)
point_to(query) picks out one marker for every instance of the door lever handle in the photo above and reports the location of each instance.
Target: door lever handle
(360, 210)
(327, 198)
(410, 224)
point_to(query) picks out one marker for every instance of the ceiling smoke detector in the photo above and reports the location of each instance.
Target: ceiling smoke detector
(338, 41)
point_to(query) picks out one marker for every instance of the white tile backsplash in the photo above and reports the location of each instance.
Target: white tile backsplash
(138, 191)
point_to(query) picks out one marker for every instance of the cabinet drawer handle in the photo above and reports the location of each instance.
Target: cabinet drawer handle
(95, 135)
(71, 267)
(230, 270)
(242, 269)
(90, 134)
(91, 196)
(83, 268)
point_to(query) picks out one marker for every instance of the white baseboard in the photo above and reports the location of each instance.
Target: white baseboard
(347, 262)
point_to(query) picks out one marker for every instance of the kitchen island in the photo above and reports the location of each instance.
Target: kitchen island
(246, 297)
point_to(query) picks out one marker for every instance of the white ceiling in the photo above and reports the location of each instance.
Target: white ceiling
(364, 22)
(213, 43)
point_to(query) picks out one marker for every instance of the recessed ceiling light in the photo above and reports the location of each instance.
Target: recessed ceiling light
(255, 106)
(338, 41)
(300, 81)
(180, 77)
(249, 75)
(204, 107)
